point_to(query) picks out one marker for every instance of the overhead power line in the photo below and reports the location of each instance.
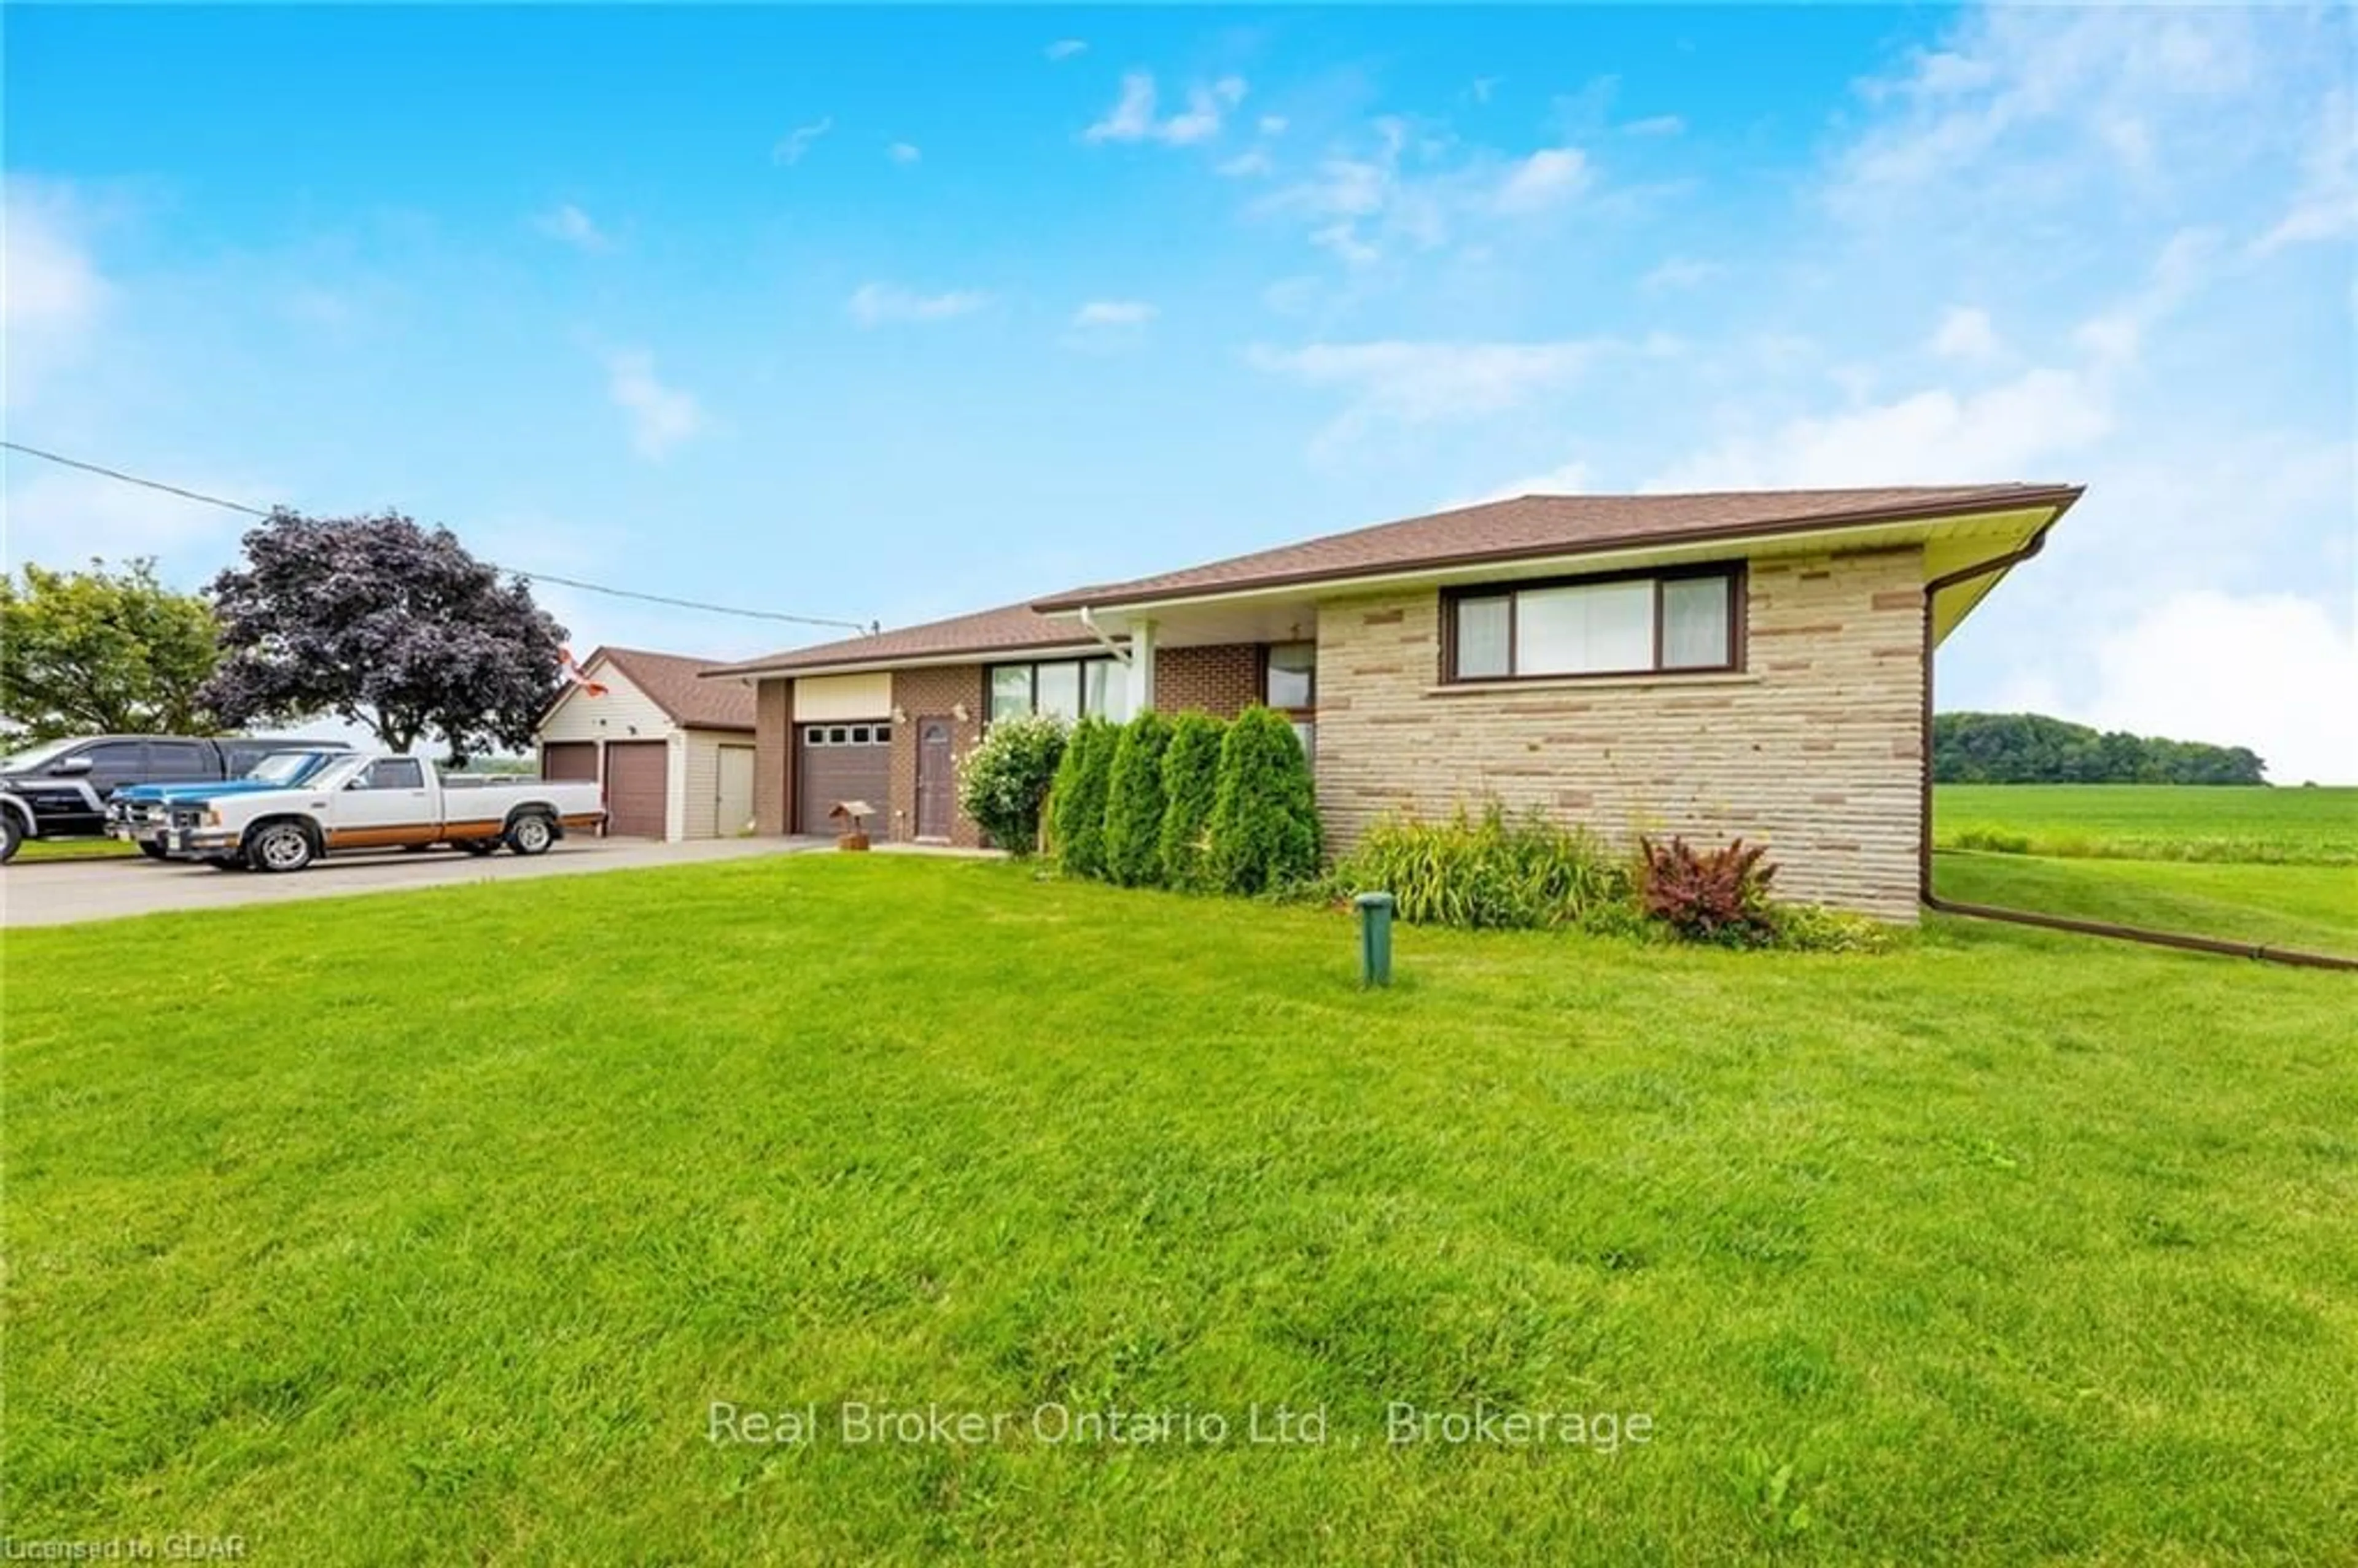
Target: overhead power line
(200, 496)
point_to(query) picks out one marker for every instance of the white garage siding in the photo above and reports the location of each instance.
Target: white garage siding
(625, 712)
(700, 786)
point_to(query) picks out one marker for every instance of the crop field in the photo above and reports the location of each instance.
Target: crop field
(2276, 866)
(2152, 822)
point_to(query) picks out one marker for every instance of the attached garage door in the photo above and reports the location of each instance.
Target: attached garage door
(573, 760)
(635, 772)
(843, 762)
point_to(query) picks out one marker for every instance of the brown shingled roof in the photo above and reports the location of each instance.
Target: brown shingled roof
(1008, 628)
(669, 680)
(1542, 526)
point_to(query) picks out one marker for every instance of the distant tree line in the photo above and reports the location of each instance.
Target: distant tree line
(2030, 748)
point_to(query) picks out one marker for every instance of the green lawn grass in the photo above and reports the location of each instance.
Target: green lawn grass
(2152, 822)
(38, 850)
(427, 1228)
(2312, 908)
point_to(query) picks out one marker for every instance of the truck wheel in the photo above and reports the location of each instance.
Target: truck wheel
(153, 851)
(10, 837)
(279, 847)
(531, 834)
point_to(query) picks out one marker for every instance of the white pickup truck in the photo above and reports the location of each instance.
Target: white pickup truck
(380, 802)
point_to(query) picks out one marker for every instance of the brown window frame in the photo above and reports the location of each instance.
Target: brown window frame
(1735, 573)
(1260, 676)
(1034, 667)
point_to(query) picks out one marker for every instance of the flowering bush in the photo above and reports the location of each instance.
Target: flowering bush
(1003, 783)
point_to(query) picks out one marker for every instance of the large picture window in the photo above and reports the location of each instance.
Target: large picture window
(1061, 688)
(1627, 624)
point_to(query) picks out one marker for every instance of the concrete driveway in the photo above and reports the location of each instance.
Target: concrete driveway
(52, 892)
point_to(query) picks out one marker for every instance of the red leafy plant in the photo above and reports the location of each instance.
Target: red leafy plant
(1719, 896)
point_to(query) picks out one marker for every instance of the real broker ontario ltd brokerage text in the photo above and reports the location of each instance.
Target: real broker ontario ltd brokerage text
(856, 1423)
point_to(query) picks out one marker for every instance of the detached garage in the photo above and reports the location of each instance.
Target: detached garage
(673, 753)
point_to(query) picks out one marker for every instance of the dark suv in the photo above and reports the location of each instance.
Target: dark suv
(59, 790)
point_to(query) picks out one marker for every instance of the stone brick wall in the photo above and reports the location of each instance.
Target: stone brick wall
(773, 755)
(1814, 747)
(1222, 678)
(935, 693)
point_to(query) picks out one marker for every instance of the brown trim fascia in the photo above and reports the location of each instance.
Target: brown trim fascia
(1111, 596)
(2184, 941)
(997, 653)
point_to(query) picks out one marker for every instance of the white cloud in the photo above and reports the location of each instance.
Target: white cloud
(1964, 333)
(1484, 86)
(1107, 313)
(1065, 48)
(1680, 272)
(873, 304)
(1245, 166)
(1406, 192)
(1133, 117)
(1426, 382)
(2272, 671)
(2025, 102)
(1929, 437)
(660, 416)
(52, 296)
(2326, 205)
(905, 152)
(1272, 125)
(2115, 335)
(1655, 125)
(571, 224)
(1343, 241)
(1544, 179)
(799, 141)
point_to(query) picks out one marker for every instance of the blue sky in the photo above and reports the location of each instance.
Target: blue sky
(885, 314)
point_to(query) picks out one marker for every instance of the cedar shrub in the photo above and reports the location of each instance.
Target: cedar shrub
(1077, 802)
(1264, 833)
(1191, 779)
(1133, 822)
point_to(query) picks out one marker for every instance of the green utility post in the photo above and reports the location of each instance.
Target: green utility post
(1375, 938)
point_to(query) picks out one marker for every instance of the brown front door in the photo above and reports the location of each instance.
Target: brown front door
(933, 781)
(636, 799)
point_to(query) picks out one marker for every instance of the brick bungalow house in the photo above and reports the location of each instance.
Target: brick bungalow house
(1753, 663)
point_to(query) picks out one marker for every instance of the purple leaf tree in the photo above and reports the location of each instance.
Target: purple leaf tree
(385, 625)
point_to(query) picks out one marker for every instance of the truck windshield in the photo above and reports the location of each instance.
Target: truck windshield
(287, 767)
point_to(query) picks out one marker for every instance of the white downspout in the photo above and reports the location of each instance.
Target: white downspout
(1137, 656)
